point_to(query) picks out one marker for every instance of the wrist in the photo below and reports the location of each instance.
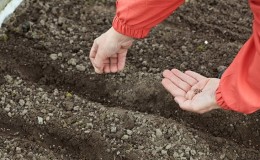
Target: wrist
(213, 94)
(119, 36)
(214, 103)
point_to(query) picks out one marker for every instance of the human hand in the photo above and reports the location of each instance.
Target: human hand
(192, 91)
(108, 53)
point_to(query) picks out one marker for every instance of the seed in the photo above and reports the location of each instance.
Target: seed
(197, 91)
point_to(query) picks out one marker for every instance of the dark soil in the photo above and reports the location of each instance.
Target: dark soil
(41, 28)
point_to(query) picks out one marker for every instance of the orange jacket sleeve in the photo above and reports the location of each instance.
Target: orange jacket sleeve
(135, 18)
(239, 88)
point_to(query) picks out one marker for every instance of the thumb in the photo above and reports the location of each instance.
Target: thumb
(127, 44)
(99, 62)
(184, 103)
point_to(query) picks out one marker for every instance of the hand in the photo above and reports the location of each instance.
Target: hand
(192, 91)
(108, 53)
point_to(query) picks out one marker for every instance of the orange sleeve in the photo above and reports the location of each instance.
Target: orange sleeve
(239, 88)
(135, 18)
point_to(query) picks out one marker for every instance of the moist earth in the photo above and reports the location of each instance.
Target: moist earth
(53, 105)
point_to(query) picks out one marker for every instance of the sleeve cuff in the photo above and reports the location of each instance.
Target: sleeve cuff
(220, 101)
(122, 28)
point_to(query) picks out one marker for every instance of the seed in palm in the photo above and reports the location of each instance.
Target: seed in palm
(197, 91)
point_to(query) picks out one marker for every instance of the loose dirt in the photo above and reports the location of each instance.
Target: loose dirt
(53, 105)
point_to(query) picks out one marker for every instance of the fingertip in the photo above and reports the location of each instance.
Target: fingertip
(113, 68)
(107, 69)
(120, 66)
(97, 65)
(98, 71)
(188, 72)
(120, 69)
(114, 71)
(166, 73)
(165, 82)
(121, 62)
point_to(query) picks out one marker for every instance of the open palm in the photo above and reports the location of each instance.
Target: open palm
(192, 91)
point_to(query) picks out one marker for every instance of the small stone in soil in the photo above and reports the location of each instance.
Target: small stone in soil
(21, 102)
(125, 137)
(54, 56)
(40, 120)
(60, 54)
(72, 61)
(164, 152)
(129, 132)
(81, 67)
(113, 129)
(158, 133)
(221, 68)
(90, 125)
(18, 150)
(9, 79)
(168, 146)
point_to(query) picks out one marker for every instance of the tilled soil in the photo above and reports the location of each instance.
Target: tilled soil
(53, 106)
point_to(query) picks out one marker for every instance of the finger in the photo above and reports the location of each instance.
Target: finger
(92, 56)
(127, 45)
(172, 88)
(177, 81)
(100, 60)
(107, 68)
(107, 61)
(186, 78)
(121, 61)
(98, 71)
(113, 64)
(93, 50)
(122, 50)
(195, 75)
